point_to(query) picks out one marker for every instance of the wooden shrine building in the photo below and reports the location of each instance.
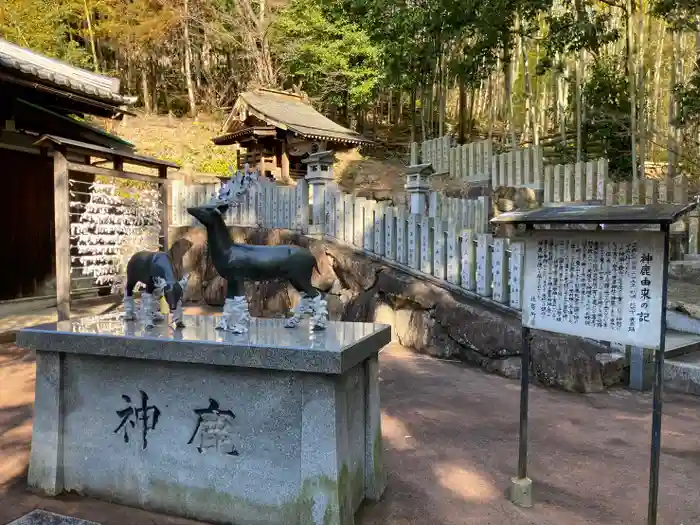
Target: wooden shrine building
(44, 140)
(278, 129)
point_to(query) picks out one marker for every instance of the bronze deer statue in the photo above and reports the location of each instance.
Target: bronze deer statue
(155, 271)
(238, 262)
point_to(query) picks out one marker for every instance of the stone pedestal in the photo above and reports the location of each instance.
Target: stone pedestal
(277, 426)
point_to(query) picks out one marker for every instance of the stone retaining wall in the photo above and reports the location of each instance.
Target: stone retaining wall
(424, 317)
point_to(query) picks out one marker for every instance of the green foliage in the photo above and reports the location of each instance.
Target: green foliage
(681, 15)
(689, 101)
(571, 31)
(328, 55)
(51, 27)
(606, 109)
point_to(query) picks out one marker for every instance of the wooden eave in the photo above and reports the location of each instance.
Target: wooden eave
(77, 102)
(53, 142)
(245, 135)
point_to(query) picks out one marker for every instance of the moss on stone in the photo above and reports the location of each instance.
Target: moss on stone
(378, 458)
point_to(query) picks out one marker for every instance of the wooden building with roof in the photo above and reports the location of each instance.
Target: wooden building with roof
(44, 140)
(278, 129)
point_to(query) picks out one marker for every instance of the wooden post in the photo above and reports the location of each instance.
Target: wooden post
(285, 161)
(261, 161)
(62, 234)
(165, 209)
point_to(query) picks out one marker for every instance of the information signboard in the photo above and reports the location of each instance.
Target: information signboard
(605, 285)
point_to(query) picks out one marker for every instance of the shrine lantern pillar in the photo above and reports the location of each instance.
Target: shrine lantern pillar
(319, 173)
(418, 187)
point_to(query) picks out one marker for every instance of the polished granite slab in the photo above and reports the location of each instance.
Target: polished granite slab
(268, 344)
(42, 517)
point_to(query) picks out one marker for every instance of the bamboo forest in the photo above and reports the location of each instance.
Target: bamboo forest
(581, 78)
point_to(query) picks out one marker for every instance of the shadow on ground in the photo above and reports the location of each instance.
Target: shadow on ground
(452, 435)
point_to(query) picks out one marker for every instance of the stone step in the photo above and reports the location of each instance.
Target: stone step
(680, 343)
(42, 517)
(682, 373)
(641, 361)
(681, 322)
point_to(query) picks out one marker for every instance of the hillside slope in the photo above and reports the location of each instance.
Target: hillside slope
(188, 142)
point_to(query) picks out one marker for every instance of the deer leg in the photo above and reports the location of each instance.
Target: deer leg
(301, 308)
(129, 304)
(314, 304)
(157, 313)
(236, 316)
(177, 315)
(319, 317)
(147, 309)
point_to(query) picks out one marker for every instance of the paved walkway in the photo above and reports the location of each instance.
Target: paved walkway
(451, 436)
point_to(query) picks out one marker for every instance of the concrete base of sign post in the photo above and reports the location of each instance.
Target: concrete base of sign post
(521, 492)
(275, 426)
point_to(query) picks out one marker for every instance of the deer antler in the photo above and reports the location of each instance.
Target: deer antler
(235, 188)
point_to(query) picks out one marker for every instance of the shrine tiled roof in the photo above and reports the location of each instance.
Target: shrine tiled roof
(52, 72)
(288, 111)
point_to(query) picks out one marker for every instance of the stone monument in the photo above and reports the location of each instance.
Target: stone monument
(273, 426)
(253, 424)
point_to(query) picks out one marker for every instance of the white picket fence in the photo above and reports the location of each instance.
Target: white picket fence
(475, 163)
(562, 184)
(270, 206)
(450, 243)
(525, 168)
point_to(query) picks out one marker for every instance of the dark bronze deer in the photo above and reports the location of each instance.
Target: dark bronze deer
(155, 271)
(238, 262)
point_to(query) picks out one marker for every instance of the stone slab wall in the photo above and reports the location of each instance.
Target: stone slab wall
(424, 316)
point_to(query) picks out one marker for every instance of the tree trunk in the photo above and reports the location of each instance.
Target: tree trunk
(579, 106)
(493, 98)
(658, 64)
(145, 92)
(641, 92)
(545, 97)
(390, 107)
(530, 124)
(508, 72)
(399, 108)
(413, 114)
(153, 70)
(188, 61)
(462, 111)
(377, 114)
(424, 107)
(96, 63)
(673, 105)
(470, 116)
(442, 107)
(632, 81)
(561, 100)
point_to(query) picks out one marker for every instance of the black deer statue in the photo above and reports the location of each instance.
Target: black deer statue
(240, 262)
(155, 271)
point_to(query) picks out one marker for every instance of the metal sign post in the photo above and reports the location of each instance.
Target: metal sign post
(604, 281)
(657, 393)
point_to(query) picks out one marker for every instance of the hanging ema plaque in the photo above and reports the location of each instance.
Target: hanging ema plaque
(602, 285)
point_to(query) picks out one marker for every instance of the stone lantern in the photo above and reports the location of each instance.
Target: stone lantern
(319, 173)
(418, 187)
